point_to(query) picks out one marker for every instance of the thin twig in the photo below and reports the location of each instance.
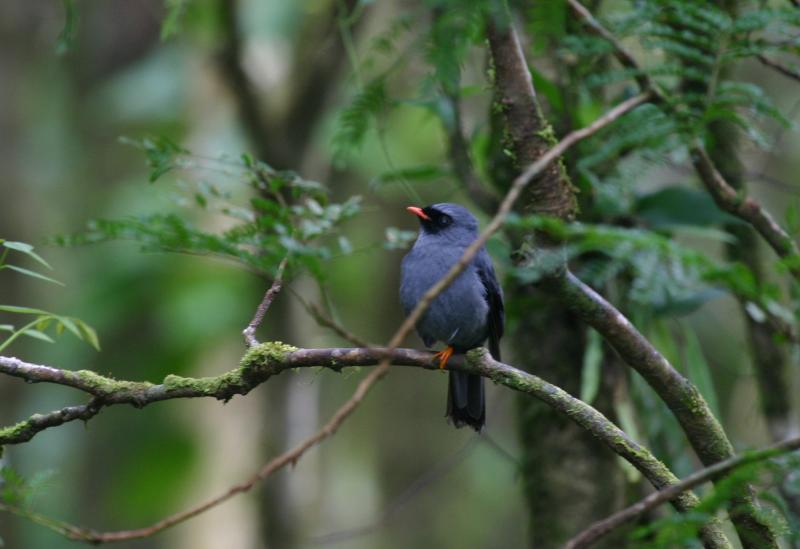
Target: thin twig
(430, 476)
(325, 321)
(250, 332)
(604, 527)
(743, 207)
(780, 67)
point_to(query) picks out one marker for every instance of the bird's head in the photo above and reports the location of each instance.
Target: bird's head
(446, 220)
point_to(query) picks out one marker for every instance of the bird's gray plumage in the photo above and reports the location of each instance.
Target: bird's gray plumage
(466, 313)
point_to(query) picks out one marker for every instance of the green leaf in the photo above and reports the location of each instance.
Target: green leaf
(36, 334)
(398, 239)
(89, 334)
(626, 415)
(43, 323)
(26, 249)
(69, 324)
(698, 370)
(592, 360)
(345, 246)
(678, 205)
(172, 20)
(67, 35)
(33, 274)
(22, 310)
(548, 88)
(354, 120)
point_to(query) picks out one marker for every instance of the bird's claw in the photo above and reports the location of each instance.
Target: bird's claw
(444, 356)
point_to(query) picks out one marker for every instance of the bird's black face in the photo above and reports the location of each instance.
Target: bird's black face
(445, 218)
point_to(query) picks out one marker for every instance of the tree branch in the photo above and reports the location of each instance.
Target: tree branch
(529, 133)
(704, 432)
(733, 202)
(780, 67)
(603, 527)
(268, 359)
(250, 332)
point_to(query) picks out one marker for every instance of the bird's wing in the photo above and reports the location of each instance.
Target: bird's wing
(494, 297)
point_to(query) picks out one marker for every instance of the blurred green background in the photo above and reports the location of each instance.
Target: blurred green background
(395, 468)
(396, 475)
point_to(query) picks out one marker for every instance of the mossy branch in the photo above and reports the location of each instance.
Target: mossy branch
(267, 359)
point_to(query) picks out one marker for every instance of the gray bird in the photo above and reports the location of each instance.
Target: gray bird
(464, 315)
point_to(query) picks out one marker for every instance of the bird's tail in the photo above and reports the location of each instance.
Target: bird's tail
(466, 401)
(466, 396)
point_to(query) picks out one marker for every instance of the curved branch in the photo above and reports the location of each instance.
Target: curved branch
(249, 333)
(743, 207)
(268, 359)
(704, 432)
(780, 67)
(604, 527)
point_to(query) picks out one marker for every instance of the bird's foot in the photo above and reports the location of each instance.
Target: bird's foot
(444, 356)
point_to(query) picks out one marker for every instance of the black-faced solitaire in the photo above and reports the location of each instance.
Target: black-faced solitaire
(466, 313)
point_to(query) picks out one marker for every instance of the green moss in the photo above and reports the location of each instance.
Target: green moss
(98, 384)
(547, 134)
(13, 432)
(95, 381)
(265, 354)
(173, 382)
(476, 355)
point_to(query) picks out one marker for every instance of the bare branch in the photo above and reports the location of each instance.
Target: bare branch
(269, 359)
(780, 67)
(250, 332)
(325, 321)
(603, 527)
(728, 199)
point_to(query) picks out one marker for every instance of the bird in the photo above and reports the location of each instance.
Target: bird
(467, 313)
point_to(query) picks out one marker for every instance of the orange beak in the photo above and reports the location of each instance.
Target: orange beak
(418, 212)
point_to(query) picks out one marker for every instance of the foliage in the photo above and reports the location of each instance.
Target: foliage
(42, 320)
(66, 37)
(681, 529)
(664, 275)
(280, 214)
(690, 49)
(17, 491)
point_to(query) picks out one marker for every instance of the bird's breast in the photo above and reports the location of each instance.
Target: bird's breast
(458, 315)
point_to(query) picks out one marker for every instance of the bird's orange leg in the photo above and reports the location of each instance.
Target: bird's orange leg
(444, 356)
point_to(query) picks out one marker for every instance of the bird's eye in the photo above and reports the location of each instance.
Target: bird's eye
(445, 220)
